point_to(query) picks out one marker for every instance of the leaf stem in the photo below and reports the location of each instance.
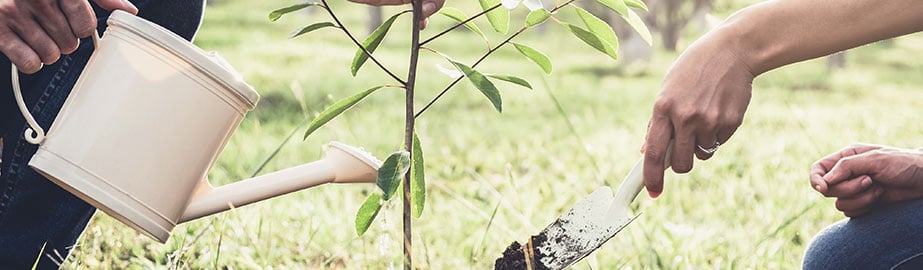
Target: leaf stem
(409, 130)
(459, 24)
(488, 53)
(359, 44)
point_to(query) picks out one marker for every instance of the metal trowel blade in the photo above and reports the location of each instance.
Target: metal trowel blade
(579, 231)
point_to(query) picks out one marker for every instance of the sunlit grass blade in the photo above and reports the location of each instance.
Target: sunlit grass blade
(599, 27)
(535, 56)
(417, 178)
(499, 18)
(459, 16)
(337, 108)
(371, 43)
(619, 6)
(512, 79)
(276, 14)
(481, 83)
(391, 173)
(367, 213)
(275, 152)
(39, 258)
(309, 28)
(477, 248)
(536, 17)
(592, 39)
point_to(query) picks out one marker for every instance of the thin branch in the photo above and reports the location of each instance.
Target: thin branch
(356, 41)
(488, 53)
(491, 51)
(459, 24)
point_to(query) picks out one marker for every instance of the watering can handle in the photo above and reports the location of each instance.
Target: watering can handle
(35, 134)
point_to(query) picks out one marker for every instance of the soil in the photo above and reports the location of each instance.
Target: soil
(518, 257)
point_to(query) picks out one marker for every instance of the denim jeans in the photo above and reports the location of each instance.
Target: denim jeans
(34, 211)
(888, 238)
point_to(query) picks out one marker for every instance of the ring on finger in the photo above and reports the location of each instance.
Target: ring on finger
(709, 150)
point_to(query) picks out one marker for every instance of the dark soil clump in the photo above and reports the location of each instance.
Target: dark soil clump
(513, 258)
(519, 257)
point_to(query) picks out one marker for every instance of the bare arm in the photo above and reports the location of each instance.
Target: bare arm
(707, 90)
(778, 33)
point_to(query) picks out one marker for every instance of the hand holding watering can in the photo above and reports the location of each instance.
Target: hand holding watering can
(138, 145)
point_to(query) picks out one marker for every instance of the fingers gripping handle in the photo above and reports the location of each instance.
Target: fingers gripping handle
(35, 134)
(633, 183)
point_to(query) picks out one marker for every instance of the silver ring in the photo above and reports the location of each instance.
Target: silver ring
(710, 150)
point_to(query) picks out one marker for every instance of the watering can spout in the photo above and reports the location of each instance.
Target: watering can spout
(341, 164)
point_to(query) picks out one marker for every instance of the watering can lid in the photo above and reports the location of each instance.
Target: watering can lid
(208, 62)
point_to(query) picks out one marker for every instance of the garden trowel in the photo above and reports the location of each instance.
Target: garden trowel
(592, 222)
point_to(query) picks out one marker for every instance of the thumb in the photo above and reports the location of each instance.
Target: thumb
(431, 6)
(848, 167)
(117, 4)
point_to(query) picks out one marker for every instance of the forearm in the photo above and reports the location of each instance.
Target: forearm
(780, 32)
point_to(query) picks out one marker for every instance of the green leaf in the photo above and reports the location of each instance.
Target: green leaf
(512, 79)
(336, 109)
(371, 43)
(535, 56)
(499, 18)
(536, 17)
(310, 28)
(591, 39)
(618, 6)
(417, 179)
(392, 171)
(635, 21)
(599, 27)
(459, 16)
(636, 4)
(276, 14)
(367, 213)
(482, 83)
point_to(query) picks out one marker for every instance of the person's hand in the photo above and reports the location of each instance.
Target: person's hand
(429, 6)
(864, 176)
(702, 102)
(37, 32)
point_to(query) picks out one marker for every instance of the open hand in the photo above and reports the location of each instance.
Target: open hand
(38, 32)
(429, 6)
(864, 176)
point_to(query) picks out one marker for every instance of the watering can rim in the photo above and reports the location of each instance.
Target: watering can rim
(209, 63)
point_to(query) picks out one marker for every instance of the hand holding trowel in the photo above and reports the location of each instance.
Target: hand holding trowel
(582, 229)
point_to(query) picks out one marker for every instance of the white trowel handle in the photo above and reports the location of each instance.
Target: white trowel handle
(633, 182)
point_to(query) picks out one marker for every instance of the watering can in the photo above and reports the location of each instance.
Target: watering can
(146, 120)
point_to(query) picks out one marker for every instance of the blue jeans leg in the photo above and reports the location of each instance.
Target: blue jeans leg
(888, 238)
(34, 212)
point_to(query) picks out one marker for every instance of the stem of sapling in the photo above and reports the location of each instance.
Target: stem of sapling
(409, 129)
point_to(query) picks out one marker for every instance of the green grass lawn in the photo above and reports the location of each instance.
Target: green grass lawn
(494, 178)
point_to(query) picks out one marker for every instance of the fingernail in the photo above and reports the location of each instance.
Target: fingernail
(653, 195)
(817, 187)
(131, 7)
(866, 181)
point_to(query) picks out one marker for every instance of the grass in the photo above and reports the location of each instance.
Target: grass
(495, 178)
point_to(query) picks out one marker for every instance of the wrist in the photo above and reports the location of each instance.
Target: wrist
(743, 34)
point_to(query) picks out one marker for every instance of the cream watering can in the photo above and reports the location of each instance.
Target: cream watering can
(145, 122)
